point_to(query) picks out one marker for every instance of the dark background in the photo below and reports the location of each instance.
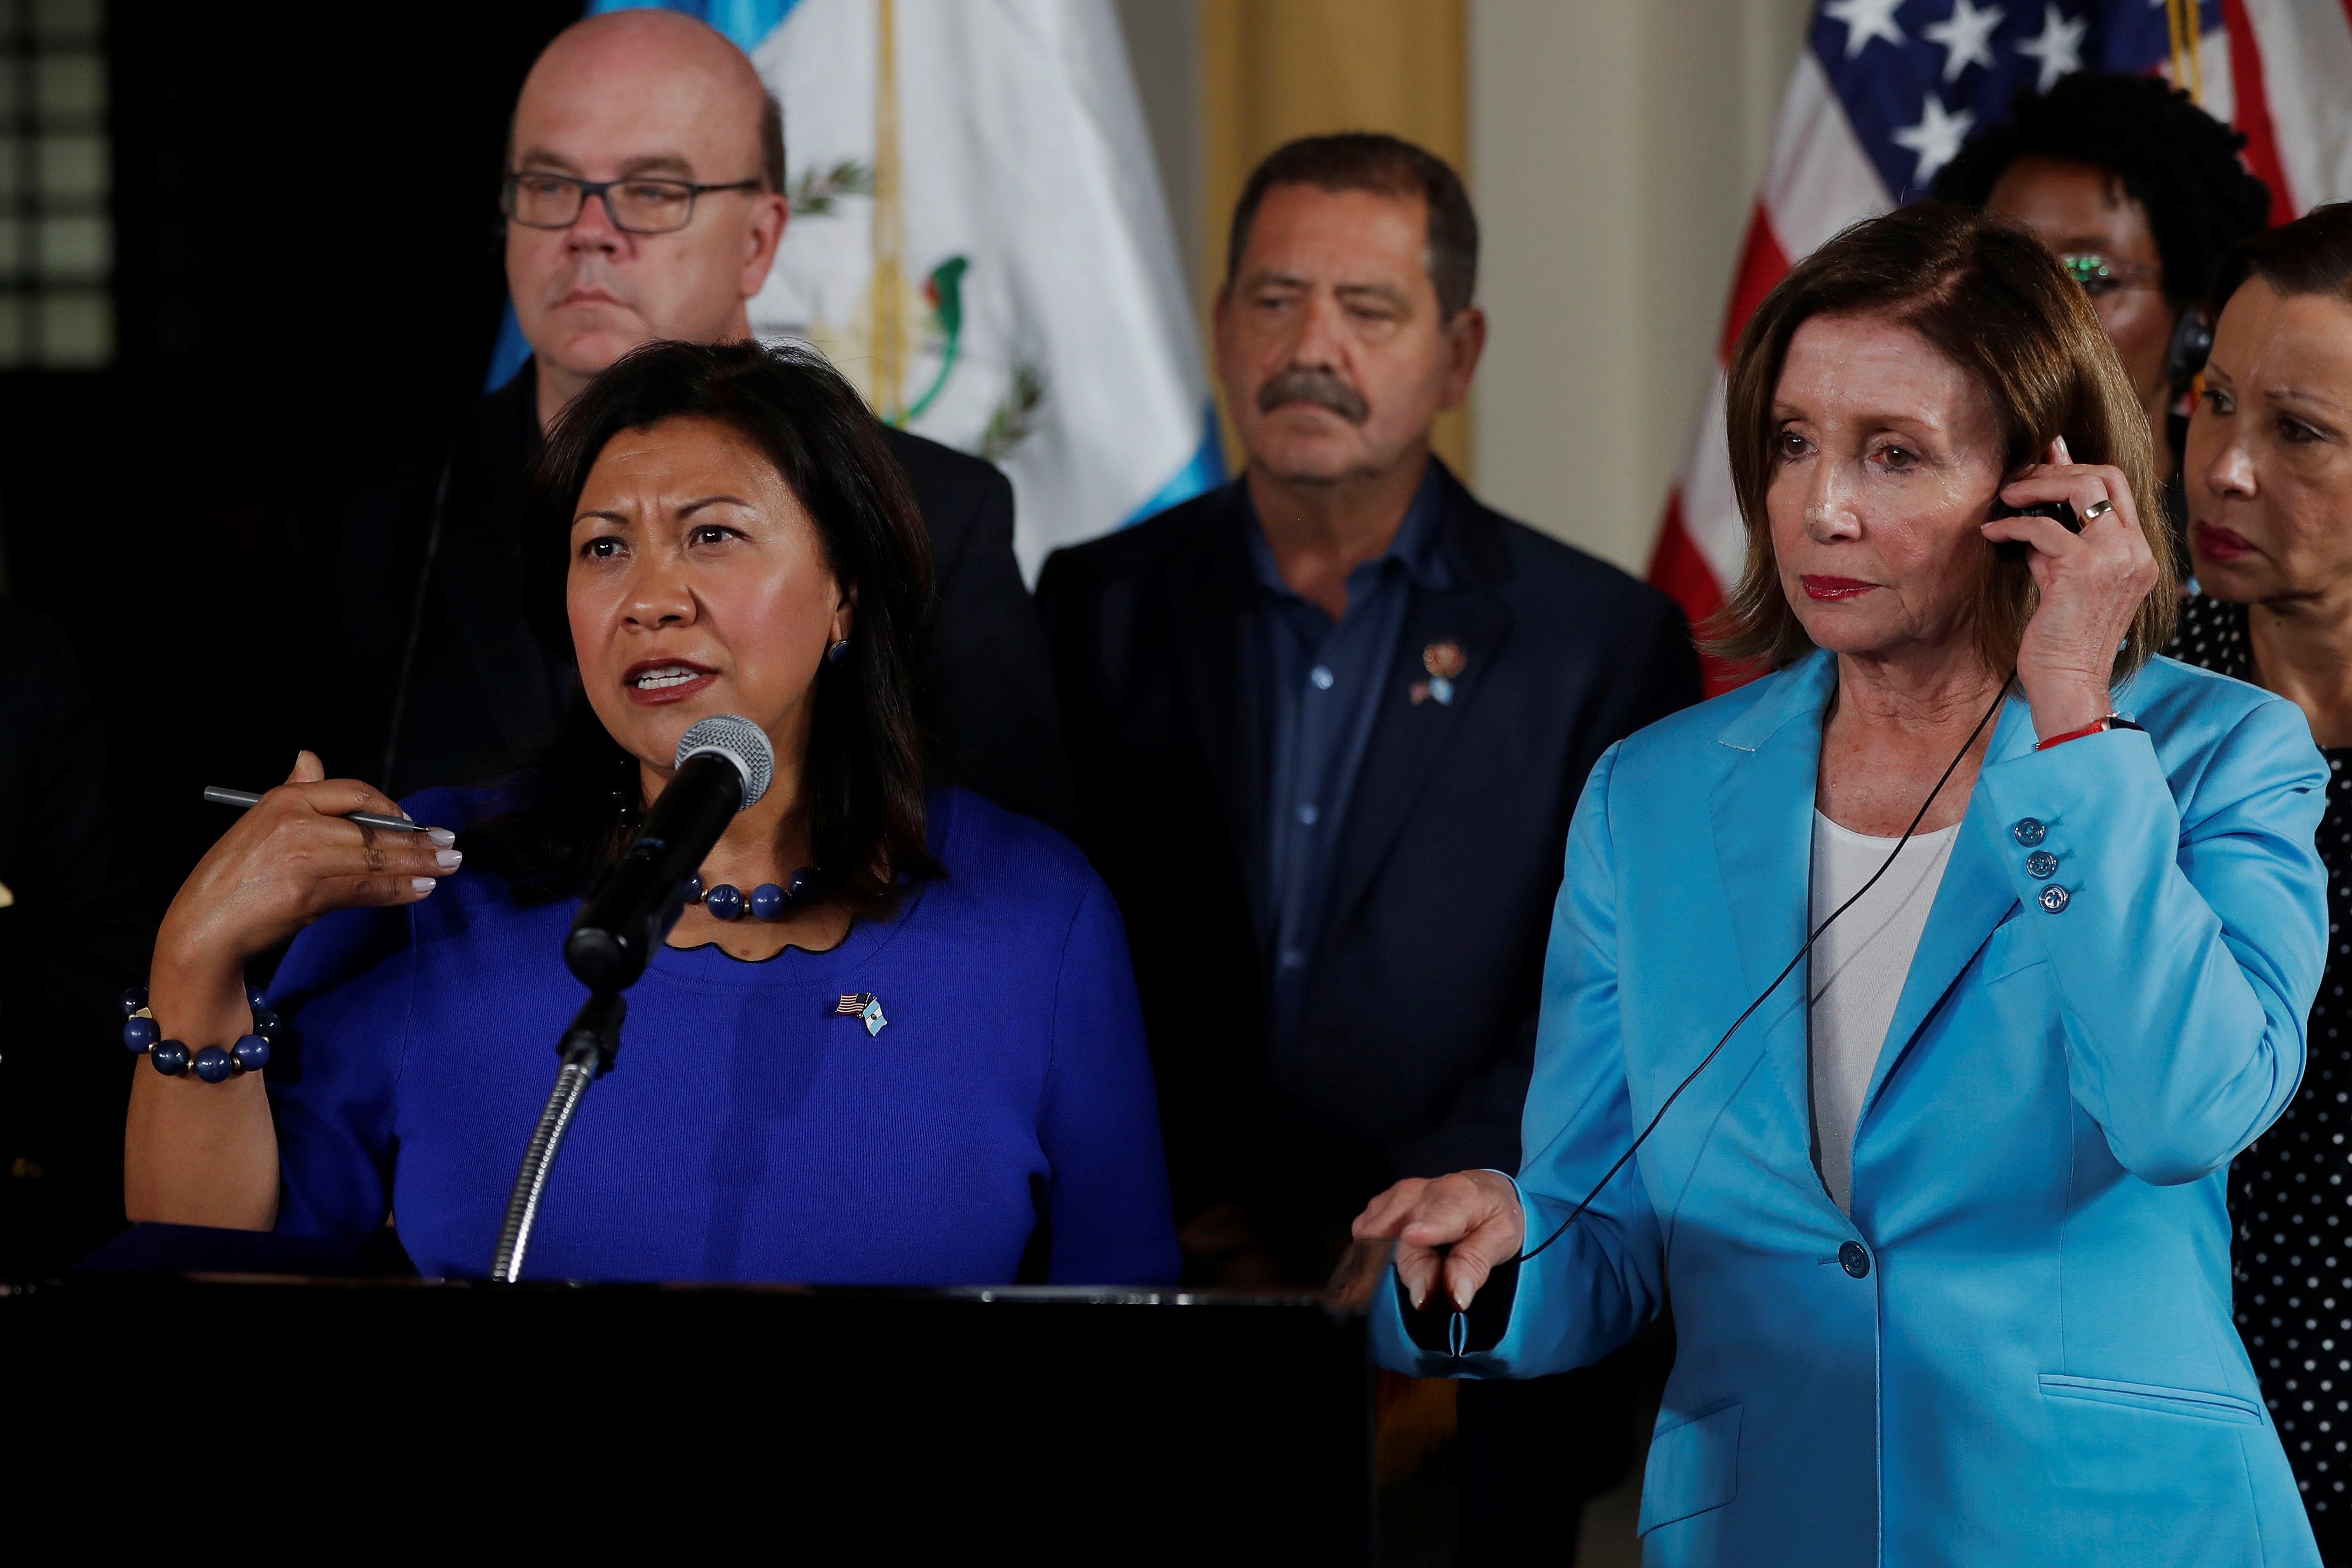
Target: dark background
(306, 281)
(306, 285)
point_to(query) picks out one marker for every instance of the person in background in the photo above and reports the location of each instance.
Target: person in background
(442, 679)
(72, 933)
(2141, 192)
(894, 1039)
(2269, 471)
(1328, 723)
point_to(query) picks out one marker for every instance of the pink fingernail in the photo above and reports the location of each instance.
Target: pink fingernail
(441, 835)
(423, 884)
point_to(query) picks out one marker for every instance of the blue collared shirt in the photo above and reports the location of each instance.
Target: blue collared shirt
(1319, 681)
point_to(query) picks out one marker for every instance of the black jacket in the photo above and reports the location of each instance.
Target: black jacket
(484, 690)
(1419, 1028)
(73, 934)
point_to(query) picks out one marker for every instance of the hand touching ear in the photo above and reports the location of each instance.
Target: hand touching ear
(2091, 586)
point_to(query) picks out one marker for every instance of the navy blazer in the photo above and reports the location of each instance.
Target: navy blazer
(1419, 1027)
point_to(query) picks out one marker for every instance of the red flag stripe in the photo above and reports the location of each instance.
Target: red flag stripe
(1761, 265)
(1677, 567)
(2254, 108)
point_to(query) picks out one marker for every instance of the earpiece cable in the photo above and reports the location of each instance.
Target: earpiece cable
(1634, 1147)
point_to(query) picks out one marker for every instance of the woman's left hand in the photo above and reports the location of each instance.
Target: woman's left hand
(2091, 586)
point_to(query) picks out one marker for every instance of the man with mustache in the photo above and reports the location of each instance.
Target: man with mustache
(1329, 724)
(442, 680)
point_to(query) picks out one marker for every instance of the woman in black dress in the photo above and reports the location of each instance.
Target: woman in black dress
(2269, 470)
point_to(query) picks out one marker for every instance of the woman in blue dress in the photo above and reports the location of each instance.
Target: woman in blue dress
(896, 1041)
(1944, 1218)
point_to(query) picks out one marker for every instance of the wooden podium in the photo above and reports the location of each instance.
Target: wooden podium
(1045, 1423)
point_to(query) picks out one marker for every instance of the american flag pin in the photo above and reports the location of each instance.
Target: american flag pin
(1445, 661)
(865, 1006)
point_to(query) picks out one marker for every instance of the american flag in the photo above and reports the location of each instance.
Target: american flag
(1887, 90)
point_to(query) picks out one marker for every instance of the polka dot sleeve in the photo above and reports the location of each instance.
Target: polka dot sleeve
(2291, 1193)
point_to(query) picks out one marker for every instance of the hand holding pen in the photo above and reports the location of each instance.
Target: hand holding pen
(299, 852)
(245, 800)
(307, 849)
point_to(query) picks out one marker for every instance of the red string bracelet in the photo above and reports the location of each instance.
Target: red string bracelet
(2094, 728)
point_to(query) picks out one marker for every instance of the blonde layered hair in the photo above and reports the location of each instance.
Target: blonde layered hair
(1994, 301)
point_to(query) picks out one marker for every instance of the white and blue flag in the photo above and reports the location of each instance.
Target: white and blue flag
(978, 240)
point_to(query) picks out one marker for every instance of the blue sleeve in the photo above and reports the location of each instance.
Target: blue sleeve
(345, 992)
(1099, 1119)
(1593, 1289)
(2191, 935)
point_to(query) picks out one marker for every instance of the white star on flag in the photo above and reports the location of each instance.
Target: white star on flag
(1936, 138)
(1967, 37)
(1865, 20)
(2059, 47)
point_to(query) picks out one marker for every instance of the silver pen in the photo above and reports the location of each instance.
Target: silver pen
(242, 798)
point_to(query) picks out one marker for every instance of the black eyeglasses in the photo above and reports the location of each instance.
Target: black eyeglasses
(636, 206)
(2101, 274)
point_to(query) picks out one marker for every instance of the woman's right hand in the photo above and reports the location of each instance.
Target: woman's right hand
(200, 1154)
(289, 860)
(1474, 1215)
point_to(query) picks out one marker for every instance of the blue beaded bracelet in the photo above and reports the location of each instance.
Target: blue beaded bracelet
(213, 1063)
(768, 902)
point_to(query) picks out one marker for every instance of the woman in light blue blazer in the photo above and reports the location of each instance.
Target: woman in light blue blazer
(1943, 1220)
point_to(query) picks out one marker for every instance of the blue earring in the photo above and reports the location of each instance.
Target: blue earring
(838, 653)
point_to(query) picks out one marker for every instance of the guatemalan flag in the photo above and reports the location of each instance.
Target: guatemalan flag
(1887, 90)
(980, 242)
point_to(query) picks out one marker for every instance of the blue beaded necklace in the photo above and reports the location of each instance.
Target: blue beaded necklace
(767, 903)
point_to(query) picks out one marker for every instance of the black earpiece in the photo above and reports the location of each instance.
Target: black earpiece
(2185, 355)
(2015, 548)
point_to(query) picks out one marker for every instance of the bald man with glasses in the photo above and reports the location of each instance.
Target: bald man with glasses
(642, 200)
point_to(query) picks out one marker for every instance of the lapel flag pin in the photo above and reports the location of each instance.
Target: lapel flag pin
(866, 1008)
(1445, 661)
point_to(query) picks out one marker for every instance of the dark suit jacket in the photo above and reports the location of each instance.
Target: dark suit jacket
(1419, 1026)
(73, 936)
(486, 690)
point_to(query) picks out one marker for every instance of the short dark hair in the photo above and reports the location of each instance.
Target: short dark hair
(2313, 255)
(1994, 301)
(2176, 160)
(1391, 166)
(865, 776)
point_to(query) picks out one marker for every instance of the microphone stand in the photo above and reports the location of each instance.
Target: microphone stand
(588, 1049)
(724, 764)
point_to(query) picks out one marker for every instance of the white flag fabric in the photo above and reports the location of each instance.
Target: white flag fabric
(978, 240)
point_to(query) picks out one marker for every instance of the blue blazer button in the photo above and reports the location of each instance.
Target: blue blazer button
(2042, 864)
(2029, 831)
(1854, 1258)
(2054, 897)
